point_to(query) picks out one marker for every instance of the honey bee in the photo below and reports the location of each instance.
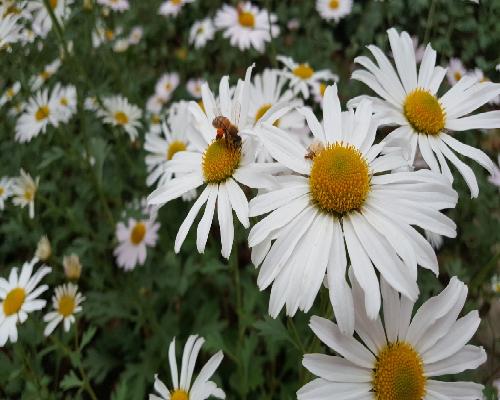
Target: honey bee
(314, 148)
(227, 131)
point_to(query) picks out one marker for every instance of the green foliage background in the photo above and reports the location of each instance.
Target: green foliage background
(129, 318)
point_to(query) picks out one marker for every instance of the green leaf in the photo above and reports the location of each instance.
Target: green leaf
(87, 336)
(71, 381)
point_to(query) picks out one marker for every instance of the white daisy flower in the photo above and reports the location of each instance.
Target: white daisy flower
(66, 303)
(425, 121)
(247, 26)
(102, 34)
(43, 249)
(5, 190)
(19, 297)
(91, 104)
(121, 45)
(202, 388)
(10, 28)
(303, 77)
(455, 71)
(24, 191)
(37, 81)
(172, 7)
(494, 179)
(10, 92)
(155, 104)
(166, 85)
(41, 23)
(333, 9)
(134, 238)
(396, 359)
(41, 111)
(218, 162)
(201, 32)
(135, 35)
(345, 194)
(119, 112)
(193, 86)
(115, 5)
(65, 100)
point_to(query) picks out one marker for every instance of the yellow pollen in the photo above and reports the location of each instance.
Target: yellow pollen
(2, 190)
(12, 10)
(179, 395)
(220, 161)
(45, 75)
(109, 34)
(121, 118)
(334, 4)
(29, 194)
(457, 76)
(340, 179)
(168, 86)
(424, 112)
(138, 233)
(262, 110)
(399, 374)
(174, 147)
(322, 88)
(42, 113)
(64, 101)
(66, 305)
(303, 71)
(53, 3)
(246, 19)
(10, 92)
(155, 119)
(176, 2)
(13, 301)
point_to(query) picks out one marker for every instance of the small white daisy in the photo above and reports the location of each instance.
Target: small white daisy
(102, 34)
(41, 111)
(455, 71)
(121, 45)
(423, 120)
(65, 101)
(10, 28)
(247, 26)
(66, 303)
(344, 195)
(333, 9)
(135, 35)
(19, 297)
(134, 238)
(5, 190)
(154, 104)
(396, 359)
(193, 86)
(24, 191)
(37, 81)
(202, 388)
(117, 111)
(172, 7)
(9, 93)
(42, 22)
(115, 5)
(201, 32)
(303, 77)
(166, 85)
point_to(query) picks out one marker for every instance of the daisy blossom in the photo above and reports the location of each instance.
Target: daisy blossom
(66, 303)
(43, 249)
(218, 164)
(10, 29)
(41, 111)
(193, 86)
(397, 358)
(65, 100)
(182, 389)
(340, 198)
(247, 26)
(115, 5)
(172, 7)
(455, 71)
(425, 121)
(9, 93)
(24, 191)
(72, 267)
(201, 32)
(37, 81)
(166, 85)
(303, 77)
(19, 297)
(41, 22)
(333, 9)
(135, 35)
(154, 104)
(118, 111)
(5, 190)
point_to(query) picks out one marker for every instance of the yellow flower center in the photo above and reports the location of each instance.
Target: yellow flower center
(220, 161)
(155, 119)
(334, 4)
(322, 88)
(45, 75)
(2, 190)
(138, 233)
(174, 147)
(66, 305)
(12, 10)
(53, 3)
(168, 86)
(303, 71)
(424, 112)
(339, 180)
(121, 118)
(13, 301)
(457, 76)
(109, 34)
(64, 101)
(10, 93)
(399, 374)
(176, 2)
(29, 194)
(42, 113)
(179, 395)
(246, 19)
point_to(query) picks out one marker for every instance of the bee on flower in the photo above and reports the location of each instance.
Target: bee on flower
(117, 111)
(24, 190)
(172, 7)
(66, 302)
(333, 9)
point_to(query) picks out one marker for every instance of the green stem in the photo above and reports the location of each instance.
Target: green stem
(86, 381)
(298, 341)
(430, 19)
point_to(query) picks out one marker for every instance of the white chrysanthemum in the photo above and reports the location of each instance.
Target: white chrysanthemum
(41, 23)
(37, 81)
(19, 297)
(202, 388)
(333, 9)
(172, 7)
(24, 191)
(65, 101)
(40, 111)
(121, 45)
(10, 28)
(193, 86)
(396, 359)
(166, 85)
(455, 71)
(66, 303)
(218, 165)
(91, 104)
(201, 32)
(5, 190)
(247, 26)
(303, 77)
(134, 238)
(425, 121)
(154, 104)
(344, 194)
(135, 35)
(103, 34)
(119, 112)
(115, 5)
(9, 93)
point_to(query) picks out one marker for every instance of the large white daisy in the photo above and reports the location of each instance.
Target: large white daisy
(42, 23)
(117, 111)
(19, 297)
(66, 303)
(425, 121)
(182, 389)
(396, 359)
(247, 26)
(344, 195)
